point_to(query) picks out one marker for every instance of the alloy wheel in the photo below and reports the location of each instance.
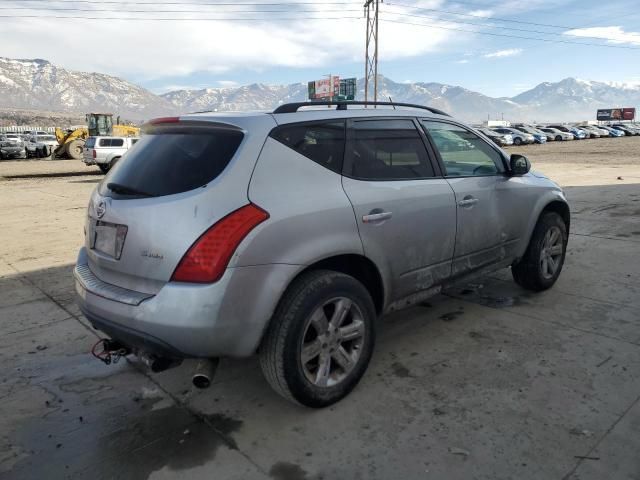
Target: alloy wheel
(332, 342)
(551, 252)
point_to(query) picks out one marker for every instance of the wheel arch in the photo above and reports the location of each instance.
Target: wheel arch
(552, 202)
(356, 265)
(561, 208)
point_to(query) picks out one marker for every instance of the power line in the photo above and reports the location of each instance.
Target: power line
(153, 19)
(480, 16)
(49, 9)
(489, 25)
(549, 40)
(155, 4)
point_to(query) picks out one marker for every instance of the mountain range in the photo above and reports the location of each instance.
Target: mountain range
(40, 85)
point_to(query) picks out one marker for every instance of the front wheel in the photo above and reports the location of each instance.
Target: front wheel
(320, 339)
(542, 263)
(517, 141)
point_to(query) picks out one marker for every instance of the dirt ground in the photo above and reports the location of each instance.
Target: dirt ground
(486, 381)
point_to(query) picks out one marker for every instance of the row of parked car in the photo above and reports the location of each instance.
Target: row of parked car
(522, 133)
(26, 145)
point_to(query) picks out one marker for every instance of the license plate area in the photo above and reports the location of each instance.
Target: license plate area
(107, 238)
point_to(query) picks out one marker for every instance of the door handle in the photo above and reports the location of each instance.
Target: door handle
(468, 201)
(376, 217)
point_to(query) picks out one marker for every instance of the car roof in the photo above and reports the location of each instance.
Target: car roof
(316, 112)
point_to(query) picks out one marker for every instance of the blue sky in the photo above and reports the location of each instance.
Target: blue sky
(288, 46)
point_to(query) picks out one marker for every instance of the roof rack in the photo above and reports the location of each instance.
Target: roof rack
(342, 105)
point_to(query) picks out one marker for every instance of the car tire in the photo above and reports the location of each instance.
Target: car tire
(308, 315)
(542, 263)
(105, 167)
(517, 141)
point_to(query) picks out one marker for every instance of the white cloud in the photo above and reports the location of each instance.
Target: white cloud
(145, 50)
(227, 83)
(462, 61)
(482, 13)
(511, 52)
(612, 34)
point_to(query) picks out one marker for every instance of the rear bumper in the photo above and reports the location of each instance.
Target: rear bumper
(183, 320)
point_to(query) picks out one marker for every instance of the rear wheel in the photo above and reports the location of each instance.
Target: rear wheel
(320, 339)
(558, 138)
(517, 141)
(105, 167)
(542, 263)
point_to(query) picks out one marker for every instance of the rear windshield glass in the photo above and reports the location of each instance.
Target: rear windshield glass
(172, 160)
(90, 142)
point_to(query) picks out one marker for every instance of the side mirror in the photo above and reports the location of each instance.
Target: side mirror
(519, 164)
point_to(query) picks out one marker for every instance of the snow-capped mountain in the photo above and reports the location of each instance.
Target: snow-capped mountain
(256, 96)
(572, 96)
(458, 101)
(39, 84)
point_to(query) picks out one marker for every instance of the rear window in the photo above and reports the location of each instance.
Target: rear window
(322, 142)
(172, 160)
(90, 142)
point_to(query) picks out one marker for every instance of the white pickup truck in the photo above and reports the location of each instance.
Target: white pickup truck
(40, 146)
(106, 151)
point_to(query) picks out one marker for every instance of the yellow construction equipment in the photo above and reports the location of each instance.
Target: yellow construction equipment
(71, 143)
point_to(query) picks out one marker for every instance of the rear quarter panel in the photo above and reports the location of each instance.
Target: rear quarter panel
(311, 217)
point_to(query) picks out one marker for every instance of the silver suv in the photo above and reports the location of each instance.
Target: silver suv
(289, 233)
(106, 151)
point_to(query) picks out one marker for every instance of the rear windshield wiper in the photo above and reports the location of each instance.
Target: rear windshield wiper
(125, 190)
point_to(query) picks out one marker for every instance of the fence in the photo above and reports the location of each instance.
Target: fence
(27, 128)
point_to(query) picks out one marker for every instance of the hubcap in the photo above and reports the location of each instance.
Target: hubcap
(551, 253)
(332, 342)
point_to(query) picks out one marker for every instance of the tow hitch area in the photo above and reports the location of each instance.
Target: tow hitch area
(111, 351)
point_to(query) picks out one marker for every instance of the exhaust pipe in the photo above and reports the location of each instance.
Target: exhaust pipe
(205, 370)
(158, 364)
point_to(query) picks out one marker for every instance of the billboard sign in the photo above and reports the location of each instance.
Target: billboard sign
(348, 89)
(324, 89)
(609, 114)
(628, 113)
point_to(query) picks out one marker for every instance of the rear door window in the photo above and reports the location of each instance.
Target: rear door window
(173, 159)
(105, 142)
(117, 142)
(322, 142)
(386, 150)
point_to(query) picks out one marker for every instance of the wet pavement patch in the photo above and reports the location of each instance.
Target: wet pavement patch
(120, 443)
(287, 471)
(400, 370)
(449, 316)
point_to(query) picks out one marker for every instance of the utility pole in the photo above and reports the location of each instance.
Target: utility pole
(371, 59)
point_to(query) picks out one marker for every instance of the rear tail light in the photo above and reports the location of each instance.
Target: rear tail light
(207, 259)
(94, 153)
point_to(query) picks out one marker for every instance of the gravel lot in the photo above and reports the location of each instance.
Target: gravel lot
(486, 381)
